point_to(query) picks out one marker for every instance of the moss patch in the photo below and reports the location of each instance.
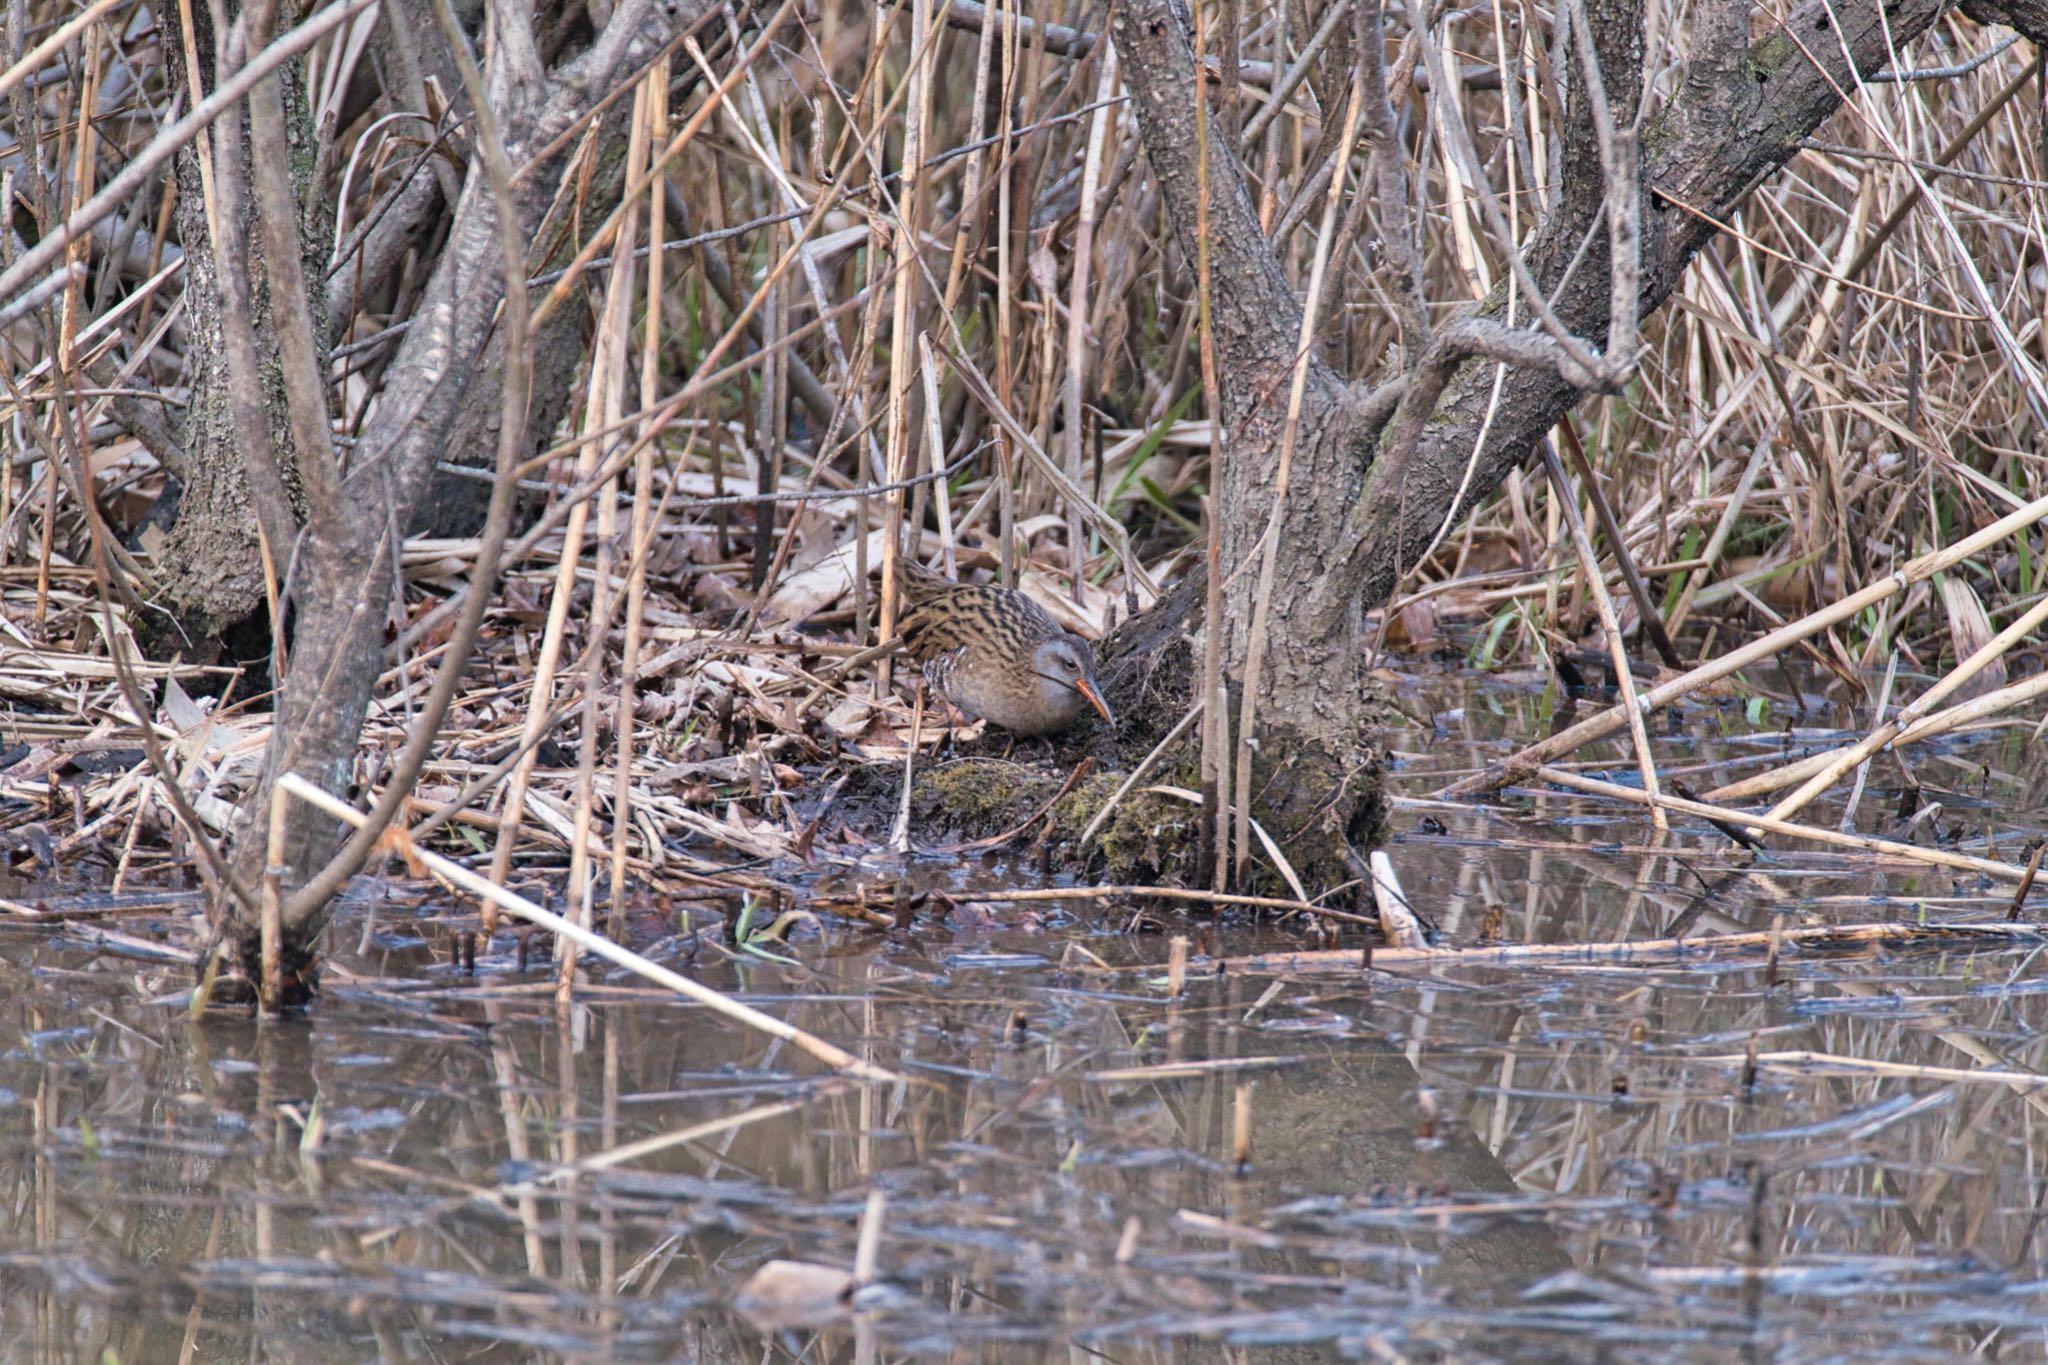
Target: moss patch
(976, 798)
(1149, 838)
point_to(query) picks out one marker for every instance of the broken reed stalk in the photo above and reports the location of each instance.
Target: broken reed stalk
(1617, 648)
(1821, 771)
(974, 208)
(1006, 303)
(1863, 843)
(460, 877)
(1516, 956)
(1527, 760)
(643, 504)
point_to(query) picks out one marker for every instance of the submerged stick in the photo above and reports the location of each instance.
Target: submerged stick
(1864, 843)
(458, 875)
(1671, 950)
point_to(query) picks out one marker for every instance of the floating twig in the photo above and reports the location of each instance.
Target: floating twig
(466, 880)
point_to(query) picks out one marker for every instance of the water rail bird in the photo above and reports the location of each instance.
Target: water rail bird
(997, 655)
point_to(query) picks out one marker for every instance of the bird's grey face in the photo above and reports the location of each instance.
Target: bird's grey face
(1067, 666)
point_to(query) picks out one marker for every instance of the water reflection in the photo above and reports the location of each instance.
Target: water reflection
(1528, 1164)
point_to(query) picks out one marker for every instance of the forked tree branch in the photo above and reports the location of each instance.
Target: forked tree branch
(1713, 145)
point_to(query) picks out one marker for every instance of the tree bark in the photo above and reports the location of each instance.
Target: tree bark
(212, 560)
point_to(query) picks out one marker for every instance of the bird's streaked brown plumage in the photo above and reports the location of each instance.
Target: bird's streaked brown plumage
(998, 655)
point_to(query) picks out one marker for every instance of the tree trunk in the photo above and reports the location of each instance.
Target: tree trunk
(1360, 512)
(1319, 762)
(211, 564)
(451, 376)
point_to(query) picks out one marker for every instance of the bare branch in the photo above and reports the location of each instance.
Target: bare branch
(1291, 80)
(1583, 360)
(1388, 169)
(302, 355)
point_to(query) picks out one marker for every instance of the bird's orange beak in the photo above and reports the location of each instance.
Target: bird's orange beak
(1087, 689)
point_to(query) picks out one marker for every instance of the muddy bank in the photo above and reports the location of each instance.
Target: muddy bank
(1323, 811)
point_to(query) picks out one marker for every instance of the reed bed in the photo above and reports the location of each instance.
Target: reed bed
(893, 280)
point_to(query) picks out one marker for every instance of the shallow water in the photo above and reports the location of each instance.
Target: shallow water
(1566, 1162)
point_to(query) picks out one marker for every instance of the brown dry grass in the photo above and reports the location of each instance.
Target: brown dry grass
(1027, 244)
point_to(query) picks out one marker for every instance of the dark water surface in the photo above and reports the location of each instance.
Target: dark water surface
(1470, 1163)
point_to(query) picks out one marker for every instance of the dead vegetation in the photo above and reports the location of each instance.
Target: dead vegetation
(916, 293)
